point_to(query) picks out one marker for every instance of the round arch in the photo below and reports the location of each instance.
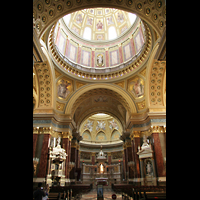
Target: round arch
(113, 87)
(45, 13)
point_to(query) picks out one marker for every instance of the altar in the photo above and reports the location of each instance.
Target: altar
(101, 173)
(101, 181)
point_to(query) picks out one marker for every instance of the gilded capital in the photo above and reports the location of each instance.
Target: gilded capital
(46, 130)
(35, 130)
(158, 129)
(136, 134)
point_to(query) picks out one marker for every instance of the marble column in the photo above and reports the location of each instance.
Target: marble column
(156, 130)
(135, 144)
(65, 145)
(44, 153)
(35, 137)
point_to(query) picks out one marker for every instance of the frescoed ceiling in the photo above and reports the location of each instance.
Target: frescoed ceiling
(99, 24)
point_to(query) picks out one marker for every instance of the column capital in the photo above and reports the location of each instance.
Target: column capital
(66, 134)
(158, 129)
(135, 134)
(35, 130)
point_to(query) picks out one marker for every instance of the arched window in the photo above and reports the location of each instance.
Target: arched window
(132, 17)
(112, 34)
(67, 19)
(87, 33)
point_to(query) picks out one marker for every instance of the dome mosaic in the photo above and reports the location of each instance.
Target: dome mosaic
(99, 24)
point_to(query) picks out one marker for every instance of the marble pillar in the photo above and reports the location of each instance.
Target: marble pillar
(44, 154)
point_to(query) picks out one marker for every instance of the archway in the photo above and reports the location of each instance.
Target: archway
(45, 13)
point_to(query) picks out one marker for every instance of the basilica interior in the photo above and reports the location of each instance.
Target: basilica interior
(99, 95)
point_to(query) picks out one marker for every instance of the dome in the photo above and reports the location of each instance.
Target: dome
(84, 49)
(99, 24)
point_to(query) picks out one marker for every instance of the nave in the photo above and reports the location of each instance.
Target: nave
(107, 194)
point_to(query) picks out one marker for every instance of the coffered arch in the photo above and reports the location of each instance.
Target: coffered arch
(120, 94)
(46, 12)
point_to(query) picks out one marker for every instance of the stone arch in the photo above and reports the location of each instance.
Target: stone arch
(45, 13)
(127, 98)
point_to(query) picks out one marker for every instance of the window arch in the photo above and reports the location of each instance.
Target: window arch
(112, 34)
(87, 33)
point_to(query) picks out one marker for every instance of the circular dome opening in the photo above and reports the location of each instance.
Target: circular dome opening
(99, 24)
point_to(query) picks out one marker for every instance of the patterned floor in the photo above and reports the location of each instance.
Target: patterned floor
(107, 194)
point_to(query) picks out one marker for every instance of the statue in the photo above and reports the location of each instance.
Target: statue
(148, 168)
(100, 60)
(58, 142)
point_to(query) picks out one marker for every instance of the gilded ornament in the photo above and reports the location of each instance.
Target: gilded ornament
(130, 2)
(59, 7)
(158, 87)
(139, 6)
(159, 4)
(155, 16)
(51, 13)
(39, 7)
(148, 11)
(47, 2)
(69, 3)
(159, 100)
(44, 19)
(161, 23)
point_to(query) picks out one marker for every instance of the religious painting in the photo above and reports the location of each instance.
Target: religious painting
(99, 25)
(136, 86)
(114, 57)
(99, 12)
(139, 40)
(109, 20)
(127, 50)
(76, 30)
(61, 42)
(115, 135)
(89, 125)
(85, 58)
(100, 37)
(120, 17)
(64, 87)
(101, 125)
(113, 125)
(79, 18)
(72, 52)
(89, 21)
(86, 135)
(101, 136)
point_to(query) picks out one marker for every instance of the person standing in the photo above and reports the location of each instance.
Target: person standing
(39, 193)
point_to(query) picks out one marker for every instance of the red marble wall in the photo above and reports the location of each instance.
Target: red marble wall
(44, 156)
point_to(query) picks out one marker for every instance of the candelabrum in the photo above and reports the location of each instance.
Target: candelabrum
(35, 163)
